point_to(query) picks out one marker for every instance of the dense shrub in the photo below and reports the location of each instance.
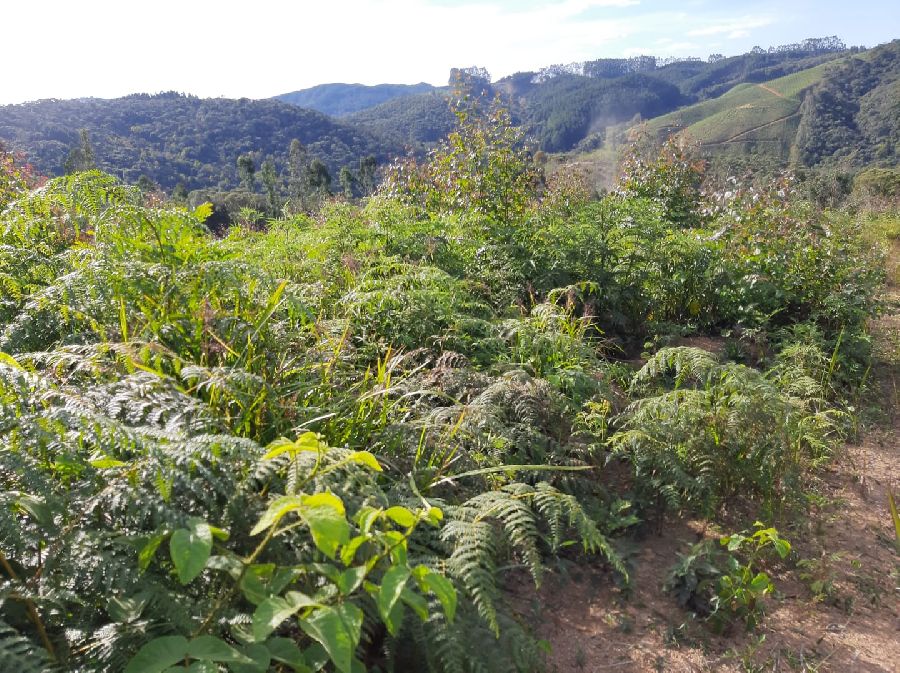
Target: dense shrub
(325, 444)
(722, 429)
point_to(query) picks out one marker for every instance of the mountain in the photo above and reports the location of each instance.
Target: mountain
(852, 116)
(564, 106)
(557, 113)
(813, 103)
(172, 138)
(412, 121)
(750, 117)
(562, 111)
(702, 80)
(846, 110)
(339, 100)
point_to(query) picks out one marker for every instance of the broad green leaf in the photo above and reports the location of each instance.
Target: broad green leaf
(443, 588)
(282, 577)
(195, 667)
(332, 572)
(783, 547)
(278, 447)
(107, 463)
(761, 582)
(273, 611)
(397, 543)
(228, 564)
(394, 619)
(338, 629)
(157, 655)
(190, 549)
(286, 651)
(278, 508)
(392, 585)
(254, 580)
(416, 602)
(733, 542)
(210, 648)
(307, 442)
(324, 499)
(366, 516)
(259, 657)
(348, 553)
(367, 459)
(145, 556)
(316, 656)
(328, 526)
(350, 579)
(435, 515)
(401, 516)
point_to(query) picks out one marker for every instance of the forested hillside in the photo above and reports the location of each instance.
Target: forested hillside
(339, 100)
(413, 121)
(562, 111)
(853, 114)
(560, 106)
(172, 139)
(761, 118)
(844, 112)
(708, 79)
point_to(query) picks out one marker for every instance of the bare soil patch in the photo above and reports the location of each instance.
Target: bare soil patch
(853, 625)
(838, 602)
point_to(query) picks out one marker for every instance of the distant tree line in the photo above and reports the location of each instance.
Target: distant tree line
(609, 68)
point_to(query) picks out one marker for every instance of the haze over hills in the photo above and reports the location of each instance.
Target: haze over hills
(809, 102)
(339, 100)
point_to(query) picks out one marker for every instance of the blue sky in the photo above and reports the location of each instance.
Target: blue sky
(234, 48)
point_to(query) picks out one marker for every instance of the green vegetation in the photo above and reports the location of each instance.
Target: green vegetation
(851, 116)
(174, 139)
(340, 100)
(563, 107)
(411, 121)
(842, 112)
(816, 103)
(328, 443)
(761, 117)
(726, 585)
(566, 109)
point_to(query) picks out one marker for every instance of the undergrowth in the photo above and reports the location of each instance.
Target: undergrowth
(324, 446)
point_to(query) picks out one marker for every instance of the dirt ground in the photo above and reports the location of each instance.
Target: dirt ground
(850, 625)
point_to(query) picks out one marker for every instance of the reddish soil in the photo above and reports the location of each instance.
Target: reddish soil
(851, 625)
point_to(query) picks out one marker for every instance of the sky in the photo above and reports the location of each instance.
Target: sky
(261, 48)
